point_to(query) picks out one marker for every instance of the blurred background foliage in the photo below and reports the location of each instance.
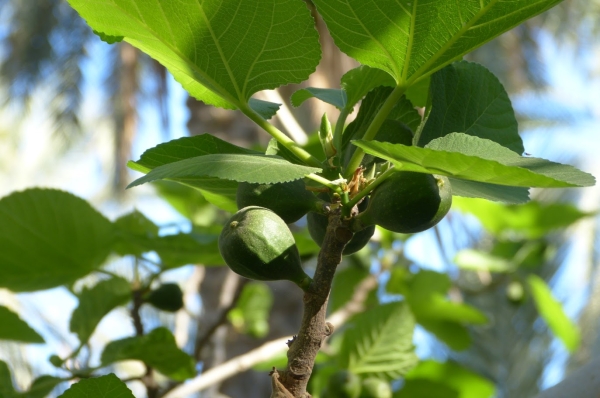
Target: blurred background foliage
(74, 110)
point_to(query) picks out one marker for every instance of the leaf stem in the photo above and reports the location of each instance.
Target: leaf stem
(324, 181)
(365, 191)
(378, 120)
(281, 137)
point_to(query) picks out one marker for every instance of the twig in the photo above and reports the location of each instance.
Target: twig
(148, 378)
(272, 348)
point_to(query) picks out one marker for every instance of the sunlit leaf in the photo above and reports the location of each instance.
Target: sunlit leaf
(335, 97)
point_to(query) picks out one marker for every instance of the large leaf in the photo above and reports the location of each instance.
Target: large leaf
(221, 193)
(532, 220)
(472, 158)
(494, 192)
(379, 342)
(260, 169)
(157, 349)
(183, 249)
(221, 51)
(50, 238)
(95, 303)
(412, 38)
(359, 81)
(470, 99)
(552, 312)
(464, 382)
(109, 386)
(14, 328)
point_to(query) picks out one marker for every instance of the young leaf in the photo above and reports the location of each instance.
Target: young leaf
(359, 81)
(552, 312)
(95, 303)
(465, 382)
(157, 349)
(251, 314)
(260, 169)
(470, 99)
(70, 238)
(14, 328)
(335, 97)
(411, 38)
(379, 342)
(472, 158)
(532, 220)
(221, 51)
(99, 387)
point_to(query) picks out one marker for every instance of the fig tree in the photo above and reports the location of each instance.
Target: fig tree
(167, 297)
(289, 200)
(317, 226)
(257, 244)
(407, 202)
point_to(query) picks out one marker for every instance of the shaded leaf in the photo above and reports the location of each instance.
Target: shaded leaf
(157, 349)
(109, 386)
(95, 303)
(468, 98)
(14, 328)
(379, 342)
(343, 285)
(410, 39)
(532, 220)
(260, 169)
(265, 109)
(50, 238)
(453, 334)
(183, 249)
(335, 97)
(251, 313)
(552, 312)
(494, 192)
(41, 387)
(359, 81)
(476, 159)
(425, 388)
(135, 229)
(222, 51)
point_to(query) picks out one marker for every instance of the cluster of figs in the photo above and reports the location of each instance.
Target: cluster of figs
(256, 242)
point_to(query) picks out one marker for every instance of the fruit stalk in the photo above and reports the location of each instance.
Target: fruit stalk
(313, 330)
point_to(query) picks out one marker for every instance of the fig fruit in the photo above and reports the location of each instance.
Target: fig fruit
(344, 384)
(289, 200)
(375, 388)
(167, 297)
(407, 202)
(257, 244)
(317, 226)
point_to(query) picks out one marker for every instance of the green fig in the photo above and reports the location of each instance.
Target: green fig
(167, 297)
(257, 244)
(375, 388)
(344, 384)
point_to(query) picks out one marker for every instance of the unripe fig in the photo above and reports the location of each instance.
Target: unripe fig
(289, 200)
(344, 384)
(257, 244)
(167, 297)
(408, 202)
(317, 226)
(375, 388)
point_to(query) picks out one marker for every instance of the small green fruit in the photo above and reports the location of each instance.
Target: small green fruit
(167, 297)
(408, 202)
(375, 388)
(289, 200)
(317, 226)
(257, 244)
(344, 384)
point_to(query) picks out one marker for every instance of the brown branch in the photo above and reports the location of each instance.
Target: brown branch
(313, 330)
(148, 378)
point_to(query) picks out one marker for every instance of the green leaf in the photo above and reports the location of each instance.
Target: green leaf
(471, 158)
(552, 312)
(335, 97)
(494, 192)
(477, 260)
(265, 109)
(41, 387)
(453, 334)
(344, 283)
(221, 51)
(221, 193)
(532, 220)
(109, 39)
(424, 388)
(183, 249)
(379, 342)
(50, 238)
(95, 303)
(157, 349)
(418, 93)
(410, 39)
(468, 98)
(109, 386)
(359, 81)
(14, 328)
(260, 169)
(251, 313)
(6, 387)
(135, 230)
(465, 382)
